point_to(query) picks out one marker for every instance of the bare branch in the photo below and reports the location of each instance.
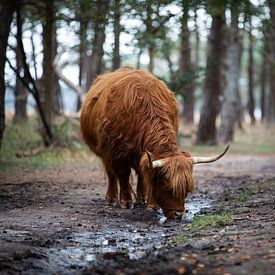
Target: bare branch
(59, 73)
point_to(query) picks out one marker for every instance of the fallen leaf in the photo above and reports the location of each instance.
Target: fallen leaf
(201, 266)
(216, 237)
(270, 256)
(192, 261)
(246, 257)
(233, 249)
(181, 270)
(218, 270)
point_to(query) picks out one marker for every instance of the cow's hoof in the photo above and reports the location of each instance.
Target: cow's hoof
(140, 203)
(153, 207)
(126, 204)
(112, 202)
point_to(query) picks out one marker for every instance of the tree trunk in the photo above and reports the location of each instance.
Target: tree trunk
(56, 90)
(212, 86)
(57, 108)
(230, 104)
(117, 30)
(138, 58)
(82, 52)
(263, 86)
(197, 41)
(251, 101)
(31, 85)
(95, 59)
(20, 92)
(240, 109)
(7, 9)
(167, 56)
(149, 31)
(186, 68)
(48, 59)
(271, 115)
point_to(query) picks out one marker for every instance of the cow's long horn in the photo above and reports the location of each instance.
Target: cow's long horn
(154, 163)
(197, 160)
(158, 163)
(149, 156)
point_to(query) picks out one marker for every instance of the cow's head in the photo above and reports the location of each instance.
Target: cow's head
(169, 180)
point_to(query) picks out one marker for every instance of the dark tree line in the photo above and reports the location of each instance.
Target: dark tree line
(216, 82)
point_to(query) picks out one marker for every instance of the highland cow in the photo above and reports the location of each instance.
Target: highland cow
(130, 120)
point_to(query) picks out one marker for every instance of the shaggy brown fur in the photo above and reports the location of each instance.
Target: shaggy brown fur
(126, 112)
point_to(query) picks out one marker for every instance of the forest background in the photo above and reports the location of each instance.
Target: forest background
(218, 56)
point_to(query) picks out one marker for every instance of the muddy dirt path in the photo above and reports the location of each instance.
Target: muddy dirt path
(57, 222)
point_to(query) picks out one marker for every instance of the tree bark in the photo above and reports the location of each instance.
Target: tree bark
(117, 30)
(230, 104)
(263, 86)
(82, 51)
(95, 59)
(20, 92)
(197, 41)
(56, 90)
(212, 85)
(7, 9)
(149, 30)
(251, 100)
(240, 108)
(186, 68)
(138, 58)
(271, 115)
(48, 59)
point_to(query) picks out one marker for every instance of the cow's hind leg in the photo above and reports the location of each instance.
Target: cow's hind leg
(112, 194)
(123, 174)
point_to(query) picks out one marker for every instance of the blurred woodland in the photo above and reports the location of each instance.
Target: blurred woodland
(218, 56)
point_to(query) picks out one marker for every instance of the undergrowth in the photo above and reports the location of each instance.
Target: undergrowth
(26, 137)
(250, 140)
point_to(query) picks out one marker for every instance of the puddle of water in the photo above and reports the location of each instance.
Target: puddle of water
(193, 207)
(131, 240)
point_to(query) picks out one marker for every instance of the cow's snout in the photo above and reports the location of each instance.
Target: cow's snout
(174, 214)
(179, 214)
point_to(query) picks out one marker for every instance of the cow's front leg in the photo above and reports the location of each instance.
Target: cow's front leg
(112, 193)
(126, 201)
(151, 201)
(141, 191)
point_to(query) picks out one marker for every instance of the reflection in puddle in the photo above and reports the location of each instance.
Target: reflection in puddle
(119, 239)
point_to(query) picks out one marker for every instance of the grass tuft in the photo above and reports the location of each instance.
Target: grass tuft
(212, 220)
(181, 239)
(245, 195)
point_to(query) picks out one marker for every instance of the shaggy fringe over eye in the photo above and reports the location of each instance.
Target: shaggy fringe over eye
(178, 173)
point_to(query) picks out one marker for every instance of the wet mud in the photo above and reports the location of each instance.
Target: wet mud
(57, 222)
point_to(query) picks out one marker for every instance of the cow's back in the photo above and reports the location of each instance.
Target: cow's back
(121, 110)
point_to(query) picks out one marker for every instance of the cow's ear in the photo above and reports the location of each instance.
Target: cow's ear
(186, 154)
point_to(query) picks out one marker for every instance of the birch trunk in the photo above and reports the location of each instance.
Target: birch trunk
(229, 112)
